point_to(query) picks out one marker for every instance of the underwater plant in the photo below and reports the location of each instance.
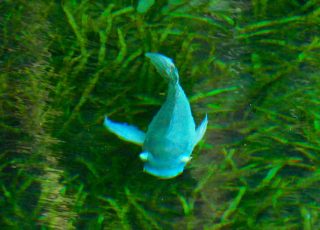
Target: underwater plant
(253, 66)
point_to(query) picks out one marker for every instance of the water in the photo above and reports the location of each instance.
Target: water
(252, 66)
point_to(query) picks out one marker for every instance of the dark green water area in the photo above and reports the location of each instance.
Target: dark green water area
(252, 66)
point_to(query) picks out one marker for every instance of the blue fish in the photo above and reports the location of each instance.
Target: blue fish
(171, 136)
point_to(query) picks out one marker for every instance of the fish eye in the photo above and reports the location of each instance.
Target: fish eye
(185, 159)
(144, 156)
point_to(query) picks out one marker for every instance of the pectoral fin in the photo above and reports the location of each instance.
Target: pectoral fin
(125, 132)
(200, 131)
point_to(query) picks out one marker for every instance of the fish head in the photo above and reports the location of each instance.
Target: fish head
(164, 168)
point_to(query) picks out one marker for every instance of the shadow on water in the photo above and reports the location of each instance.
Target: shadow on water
(252, 66)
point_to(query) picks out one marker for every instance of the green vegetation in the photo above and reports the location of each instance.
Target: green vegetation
(253, 66)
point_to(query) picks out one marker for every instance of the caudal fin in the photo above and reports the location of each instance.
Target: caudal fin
(164, 66)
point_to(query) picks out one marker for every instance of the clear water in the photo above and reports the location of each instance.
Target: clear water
(252, 66)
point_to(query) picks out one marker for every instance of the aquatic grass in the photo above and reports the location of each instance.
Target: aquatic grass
(201, 95)
(121, 211)
(142, 214)
(33, 159)
(253, 67)
(258, 135)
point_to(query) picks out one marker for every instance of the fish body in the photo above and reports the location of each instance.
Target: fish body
(171, 136)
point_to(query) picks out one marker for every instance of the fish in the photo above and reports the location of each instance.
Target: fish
(171, 136)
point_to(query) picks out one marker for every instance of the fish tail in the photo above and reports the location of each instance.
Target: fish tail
(164, 66)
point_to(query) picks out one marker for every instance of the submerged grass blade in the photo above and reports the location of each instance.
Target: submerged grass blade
(145, 217)
(234, 204)
(121, 211)
(199, 96)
